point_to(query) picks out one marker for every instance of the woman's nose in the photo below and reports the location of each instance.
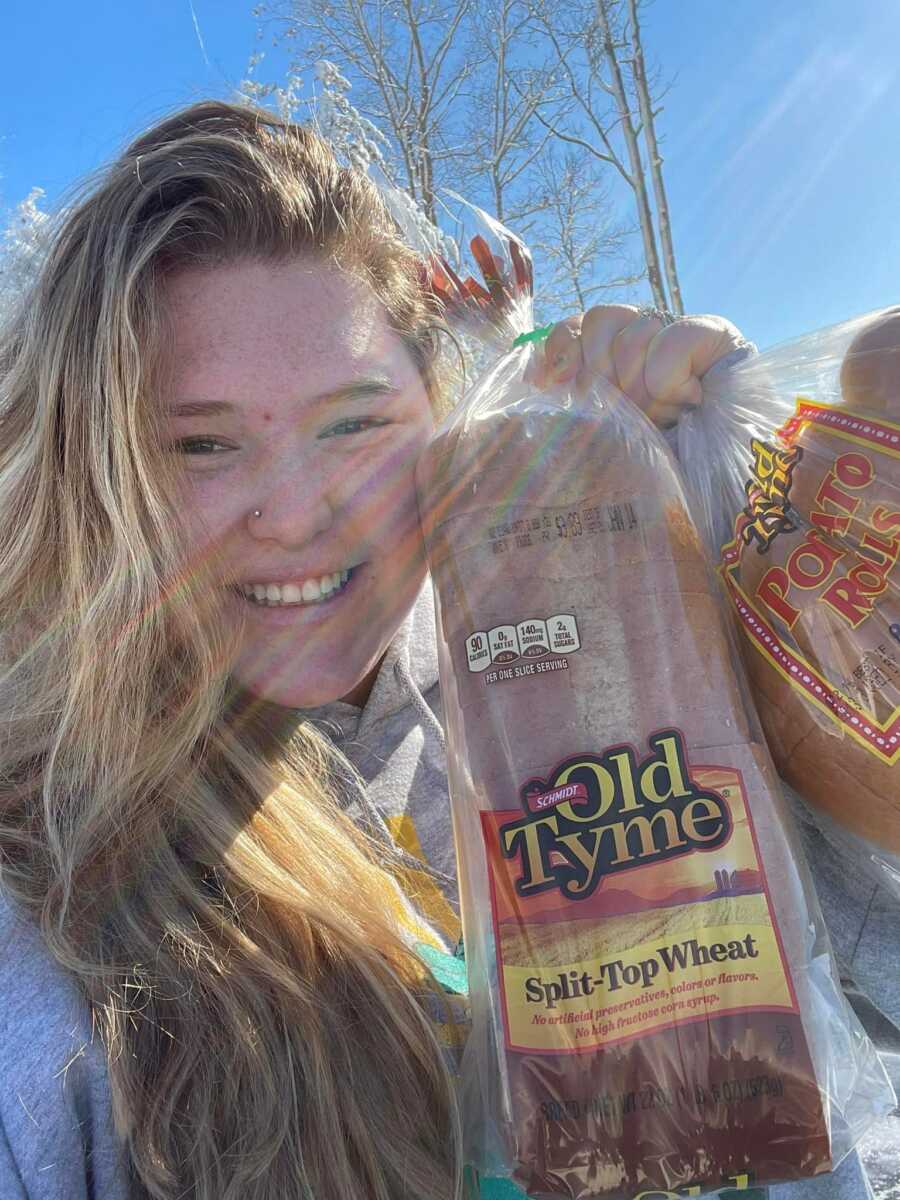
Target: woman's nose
(293, 506)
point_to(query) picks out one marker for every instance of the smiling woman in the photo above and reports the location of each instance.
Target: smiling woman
(212, 407)
(313, 415)
(225, 836)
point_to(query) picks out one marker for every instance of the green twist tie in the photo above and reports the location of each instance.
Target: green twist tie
(535, 335)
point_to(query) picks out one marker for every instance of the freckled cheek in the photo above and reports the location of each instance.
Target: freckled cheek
(380, 491)
(211, 522)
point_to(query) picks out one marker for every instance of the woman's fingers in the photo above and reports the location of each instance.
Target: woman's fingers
(581, 346)
(558, 358)
(630, 348)
(600, 329)
(658, 367)
(676, 360)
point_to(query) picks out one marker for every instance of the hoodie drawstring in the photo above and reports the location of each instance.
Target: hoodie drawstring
(409, 685)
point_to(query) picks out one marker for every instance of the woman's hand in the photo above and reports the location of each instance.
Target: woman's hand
(657, 366)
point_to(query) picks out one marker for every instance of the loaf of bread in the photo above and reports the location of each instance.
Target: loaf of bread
(655, 1013)
(813, 571)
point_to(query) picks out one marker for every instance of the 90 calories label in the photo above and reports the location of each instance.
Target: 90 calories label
(535, 638)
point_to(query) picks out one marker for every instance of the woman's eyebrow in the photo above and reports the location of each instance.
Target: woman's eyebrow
(199, 408)
(357, 389)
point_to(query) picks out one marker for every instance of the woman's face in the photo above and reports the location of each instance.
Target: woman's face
(292, 396)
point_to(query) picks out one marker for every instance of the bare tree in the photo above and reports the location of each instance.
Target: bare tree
(23, 247)
(586, 251)
(408, 62)
(590, 61)
(505, 144)
(648, 114)
(360, 140)
(529, 109)
(614, 84)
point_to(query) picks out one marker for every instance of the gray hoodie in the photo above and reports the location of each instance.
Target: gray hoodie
(56, 1135)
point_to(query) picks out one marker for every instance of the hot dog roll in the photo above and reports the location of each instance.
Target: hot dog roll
(813, 572)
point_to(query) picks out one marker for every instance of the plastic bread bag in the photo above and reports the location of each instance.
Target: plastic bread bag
(655, 1006)
(794, 460)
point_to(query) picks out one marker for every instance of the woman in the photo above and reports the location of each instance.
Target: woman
(214, 923)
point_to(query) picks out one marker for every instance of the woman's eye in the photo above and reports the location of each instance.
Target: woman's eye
(201, 445)
(352, 425)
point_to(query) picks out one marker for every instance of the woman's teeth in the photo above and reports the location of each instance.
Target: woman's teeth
(309, 591)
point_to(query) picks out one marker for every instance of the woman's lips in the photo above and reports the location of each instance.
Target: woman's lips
(285, 613)
(312, 590)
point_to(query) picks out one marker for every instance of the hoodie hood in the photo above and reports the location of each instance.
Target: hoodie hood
(394, 782)
(409, 666)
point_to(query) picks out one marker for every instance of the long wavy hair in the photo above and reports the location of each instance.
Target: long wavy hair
(184, 852)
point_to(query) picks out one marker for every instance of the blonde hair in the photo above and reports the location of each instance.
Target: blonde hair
(184, 854)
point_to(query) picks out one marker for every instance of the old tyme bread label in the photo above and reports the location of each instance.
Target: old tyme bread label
(637, 928)
(681, 930)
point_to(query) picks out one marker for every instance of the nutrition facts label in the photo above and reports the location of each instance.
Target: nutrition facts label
(533, 638)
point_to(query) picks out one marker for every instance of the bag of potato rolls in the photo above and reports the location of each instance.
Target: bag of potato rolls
(794, 456)
(656, 1011)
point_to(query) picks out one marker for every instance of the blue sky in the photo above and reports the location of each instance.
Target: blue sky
(781, 131)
